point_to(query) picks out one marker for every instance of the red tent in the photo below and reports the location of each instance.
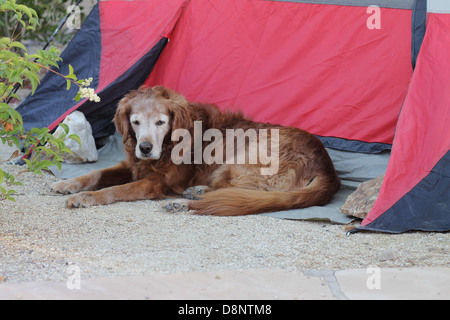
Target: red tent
(341, 69)
(416, 190)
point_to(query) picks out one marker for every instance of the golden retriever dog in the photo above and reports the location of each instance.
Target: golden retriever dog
(174, 145)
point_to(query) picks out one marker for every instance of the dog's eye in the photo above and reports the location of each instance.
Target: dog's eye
(136, 122)
(160, 123)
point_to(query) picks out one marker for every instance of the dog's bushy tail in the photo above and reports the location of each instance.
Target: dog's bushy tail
(238, 201)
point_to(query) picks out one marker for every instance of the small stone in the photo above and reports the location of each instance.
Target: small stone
(78, 125)
(388, 254)
(360, 202)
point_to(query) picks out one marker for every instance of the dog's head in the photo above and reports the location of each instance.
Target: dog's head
(146, 117)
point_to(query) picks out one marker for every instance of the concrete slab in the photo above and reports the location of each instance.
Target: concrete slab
(218, 285)
(395, 284)
(361, 284)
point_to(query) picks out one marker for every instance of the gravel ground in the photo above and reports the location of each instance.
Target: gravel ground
(40, 239)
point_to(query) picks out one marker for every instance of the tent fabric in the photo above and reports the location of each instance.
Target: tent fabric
(394, 4)
(270, 60)
(419, 19)
(415, 193)
(355, 145)
(278, 66)
(425, 208)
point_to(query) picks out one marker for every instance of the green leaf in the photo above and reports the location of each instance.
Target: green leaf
(23, 23)
(34, 22)
(5, 40)
(52, 63)
(18, 15)
(28, 162)
(15, 116)
(34, 79)
(71, 77)
(15, 140)
(8, 6)
(17, 44)
(76, 138)
(66, 150)
(32, 66)
(58, 165)
(26, 10)
(44, 164)
(14, 76)
(35, 56)
(13, 95)
(65, 127)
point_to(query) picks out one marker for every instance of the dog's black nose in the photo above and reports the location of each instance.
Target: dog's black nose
(145, 147)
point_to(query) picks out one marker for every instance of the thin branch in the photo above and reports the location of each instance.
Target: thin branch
(51, 70)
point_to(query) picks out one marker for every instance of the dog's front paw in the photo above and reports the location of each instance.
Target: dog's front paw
(66, 187)
(175, 205)
(81, 200)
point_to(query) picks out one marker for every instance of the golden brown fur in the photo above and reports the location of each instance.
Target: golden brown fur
(305, 177)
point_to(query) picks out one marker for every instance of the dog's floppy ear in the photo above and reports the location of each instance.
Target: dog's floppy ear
(163, 92)
(181, 117)
(169, 94)
(181, 114)
(122, 122)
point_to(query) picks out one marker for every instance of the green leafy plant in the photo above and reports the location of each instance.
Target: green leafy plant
(50, 13)
(8, 180)
(42, 149)
(47, 149)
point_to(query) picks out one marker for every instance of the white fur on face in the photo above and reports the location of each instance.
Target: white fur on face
(151, 128)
